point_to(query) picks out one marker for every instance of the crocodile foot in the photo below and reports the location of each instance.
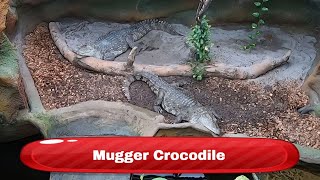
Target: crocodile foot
(311, 109)
(157, 109)
(305, 110)
(180, 83)
(178, 120)
(144, 47)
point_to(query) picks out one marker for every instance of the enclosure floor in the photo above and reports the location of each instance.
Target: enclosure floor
(248, 108)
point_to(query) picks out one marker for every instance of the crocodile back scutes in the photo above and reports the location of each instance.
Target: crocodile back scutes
(142, 28)
(153, 81)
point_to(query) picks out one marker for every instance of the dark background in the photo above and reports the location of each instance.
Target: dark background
(10, 163)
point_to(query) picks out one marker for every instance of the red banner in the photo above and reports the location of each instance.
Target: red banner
(160, 155)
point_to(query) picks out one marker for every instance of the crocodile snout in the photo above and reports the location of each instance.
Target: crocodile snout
(203, 118)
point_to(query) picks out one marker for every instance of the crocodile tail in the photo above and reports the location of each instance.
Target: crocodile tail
(166, 27)
(126, 86)
(156, 24)
(128, 81)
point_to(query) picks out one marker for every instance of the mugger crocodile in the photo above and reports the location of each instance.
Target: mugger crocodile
(117, 42)
(175, 102)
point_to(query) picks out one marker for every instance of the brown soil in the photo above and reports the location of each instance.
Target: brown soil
(59, 82)
(244, 107)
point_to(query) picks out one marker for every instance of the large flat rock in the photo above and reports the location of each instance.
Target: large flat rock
(227, 42)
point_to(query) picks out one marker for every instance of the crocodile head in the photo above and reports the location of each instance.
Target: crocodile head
(202, 117)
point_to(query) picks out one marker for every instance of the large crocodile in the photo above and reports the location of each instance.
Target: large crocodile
(175, 102)
(116, 42)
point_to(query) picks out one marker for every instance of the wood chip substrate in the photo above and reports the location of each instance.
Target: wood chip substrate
(249, 108)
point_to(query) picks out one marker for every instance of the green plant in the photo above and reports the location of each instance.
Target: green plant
(255, 26)
(199, 39)
(198, 70)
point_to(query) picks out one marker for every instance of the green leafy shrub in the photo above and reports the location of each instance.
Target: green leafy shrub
(199, 39)
(255, 26)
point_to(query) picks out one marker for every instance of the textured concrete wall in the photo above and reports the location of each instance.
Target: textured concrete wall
(32, 12)
(11, 95)
(10, 99)
(227, 11)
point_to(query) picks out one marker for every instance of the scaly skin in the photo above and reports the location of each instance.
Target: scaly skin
(315, 109)
(117, 42)
(174, 101)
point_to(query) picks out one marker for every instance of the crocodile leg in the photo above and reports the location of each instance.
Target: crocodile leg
(180, 83)
(183, 115)
(216, 115)
(109, 58)
(178, 119)
(140, 46)
(306, 109)
(157, 103)
(132, 44)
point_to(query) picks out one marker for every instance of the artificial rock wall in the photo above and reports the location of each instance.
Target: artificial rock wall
(31, 12)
